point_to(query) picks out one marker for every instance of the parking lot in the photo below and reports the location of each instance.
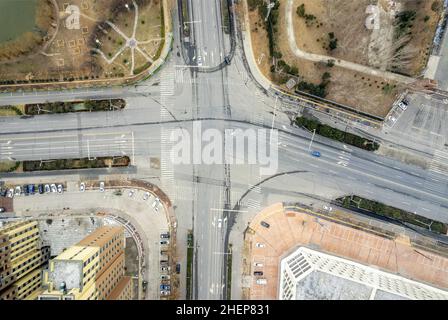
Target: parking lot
(139, 206)
(424, 122)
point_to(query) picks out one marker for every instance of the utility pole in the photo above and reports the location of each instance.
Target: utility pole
(312, 139)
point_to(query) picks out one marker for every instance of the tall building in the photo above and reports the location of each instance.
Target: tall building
(93, 269)
(22, 257)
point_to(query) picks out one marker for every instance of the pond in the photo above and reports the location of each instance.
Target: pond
(16, 18)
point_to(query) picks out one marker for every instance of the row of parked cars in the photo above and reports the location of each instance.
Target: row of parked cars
(165, 284)
(146, 196)
(31, 189)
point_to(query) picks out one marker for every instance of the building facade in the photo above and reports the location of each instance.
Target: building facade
(93, 269)
(22, 258)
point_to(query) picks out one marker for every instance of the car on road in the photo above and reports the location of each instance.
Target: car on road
(102, 186)
(18, 191)
(53, 188)
(265, 224)
(219, 223)
(164, 242)
(258, 273)
(40, 188)
(328, 208)
(164, 235)
(259, 245)
(257, 264)
(146, 196)
(131, 193)
(47, 188)
(316, 154)
(2, 209)
(227, 60)
(60, 189)
(82, 187)
(177, 268)
(10, 193)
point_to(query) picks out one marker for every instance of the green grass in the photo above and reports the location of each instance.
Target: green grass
(190, 249)
(380, 209)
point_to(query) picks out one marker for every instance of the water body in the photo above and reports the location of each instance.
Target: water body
(16, 18)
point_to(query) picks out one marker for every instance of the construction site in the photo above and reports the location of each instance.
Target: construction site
(362, 60)
(350, 257)
(87, 40)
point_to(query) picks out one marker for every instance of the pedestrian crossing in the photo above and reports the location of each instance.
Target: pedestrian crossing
(439, 163)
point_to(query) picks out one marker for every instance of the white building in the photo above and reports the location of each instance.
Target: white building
(312, 275)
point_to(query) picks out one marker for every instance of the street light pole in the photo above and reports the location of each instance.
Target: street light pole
(312, 139)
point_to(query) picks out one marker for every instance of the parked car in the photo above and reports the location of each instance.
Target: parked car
(47, 188)
(40, 188)
(164, 235)
(131, 193)
(165, 292)
(219, 223)
(18, 191)
(316, 154)
(165, 277)
(164, 242)
(146, 196)
(82, 187)
(53, 188)
(60, 189)
(258, 273)
(165, 287)
(265, 224)
(165, 268)
(177, 268)
(31, 189)
(26, 190)
(2, 209)
(257, 264)
(3, 192)
(10, 193)
(262, 281)
(259, 245)
(102, 186)
(328, 208)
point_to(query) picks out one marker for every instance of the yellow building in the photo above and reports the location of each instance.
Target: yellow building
(21, 259)
(93, 269)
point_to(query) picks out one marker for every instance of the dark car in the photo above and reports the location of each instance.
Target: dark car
(315, 154)
(258, 273)
(41, 188)
(227, 60)
(25, 189)
(178, 268)
(165, 236)
(31, 188)
(3, 192)
(265, 224)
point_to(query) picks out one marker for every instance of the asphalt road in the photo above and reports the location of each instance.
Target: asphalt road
(223, 99)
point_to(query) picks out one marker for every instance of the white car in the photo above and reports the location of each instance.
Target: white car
(165, 277)
(329, 209)
(60, 189)
(47, 188)
(219, 223)
(146, 196)
(10, 193)
(53, 188)
(259, 245)
(82, 187)
(18, 191)
(257, 264)
(102, 186)
(199, 61)
(131, 193)
(403, 106)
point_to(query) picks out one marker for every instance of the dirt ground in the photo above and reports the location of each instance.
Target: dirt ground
(68, 55)
(356, 43)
